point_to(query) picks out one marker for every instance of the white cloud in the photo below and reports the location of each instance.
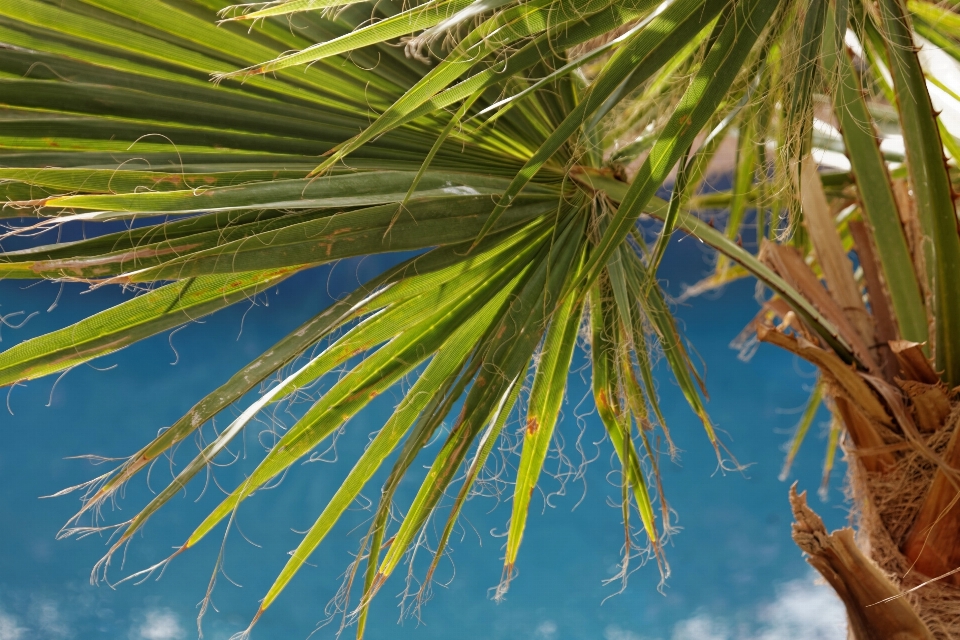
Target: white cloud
(10, 629)
(546, 630)
(613, 632)
(802, 610)
(45, 614)
(158, 624)
(701, 627)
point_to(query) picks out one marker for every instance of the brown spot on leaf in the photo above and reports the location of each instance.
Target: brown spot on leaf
(171, 178)
(601, 399)
(532, 426)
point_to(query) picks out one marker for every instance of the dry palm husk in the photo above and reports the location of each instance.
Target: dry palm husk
(898, 575)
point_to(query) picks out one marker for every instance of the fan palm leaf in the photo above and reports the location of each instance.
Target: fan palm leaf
(522, 169)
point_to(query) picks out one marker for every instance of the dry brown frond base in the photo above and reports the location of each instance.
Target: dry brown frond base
(856, 579)
(888, 507)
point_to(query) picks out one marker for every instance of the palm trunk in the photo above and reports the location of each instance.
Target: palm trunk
(902, 451)
(856, 579)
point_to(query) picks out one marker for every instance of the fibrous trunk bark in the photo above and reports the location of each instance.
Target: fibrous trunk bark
(874, 609)
(899, 576)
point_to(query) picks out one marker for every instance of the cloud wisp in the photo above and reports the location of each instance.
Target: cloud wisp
(158, 624)
(802, 610)
(10, 628)
(42, 620)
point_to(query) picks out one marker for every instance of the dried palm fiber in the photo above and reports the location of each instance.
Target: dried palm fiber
(891, 482)
(903, 448)
(856, 579)
(899, 480)
(886, 506)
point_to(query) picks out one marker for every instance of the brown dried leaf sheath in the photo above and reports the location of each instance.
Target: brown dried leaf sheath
(873, 610)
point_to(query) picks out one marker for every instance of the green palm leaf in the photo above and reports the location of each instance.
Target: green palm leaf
(522, 168)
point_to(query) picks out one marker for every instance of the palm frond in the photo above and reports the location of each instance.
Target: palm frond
(523, 168)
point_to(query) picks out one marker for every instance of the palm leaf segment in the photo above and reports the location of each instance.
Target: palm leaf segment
(496, 165)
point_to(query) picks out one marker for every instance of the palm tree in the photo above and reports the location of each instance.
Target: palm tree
(517, 149)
